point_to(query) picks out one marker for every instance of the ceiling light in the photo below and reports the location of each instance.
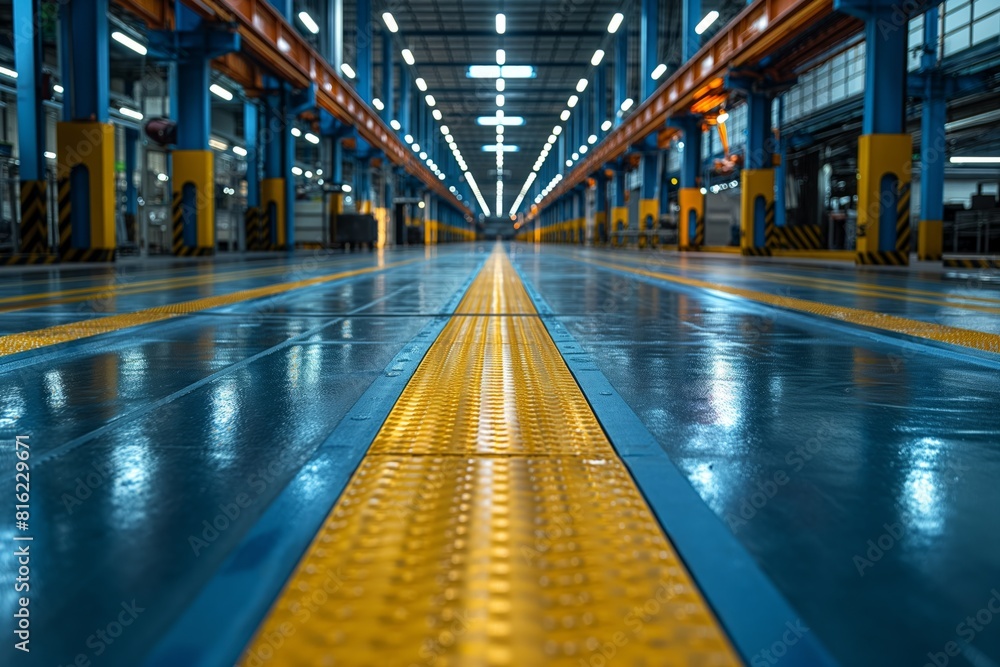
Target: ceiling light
(569, 163)
(430, 100)
(377, 103)
(605, 126)
(49, 155)
(704, 24)
(390, 22)
(416, 147)
(395, 124)
(974, 160)
(575, 156)
(437, 114)
(564, 115)
(423, 155)
(581, 85)
(597, 58)
(408, 56)
(450, 139)
(297, 171)
(56, 88)
(347, 70)
(296, 132)
(444, 129)
(218, 144)
(551, 140)
(500, 100)
(119, 37)
(311, 138)
(557, 130)
(627, 104)
(131, 113)
(308, 174)
(499, 138)
(571, 102)
(616, 21)
(500, 120)
(501, 56)
(308, 22)
(506, 148)
(583, 150)
(346, 187)
(658, 72)
(496, 71)
(408, 138)
(221, 92)
(722, 117)
(239, 150)
(500, 85)
(421, 84)
(501, 24)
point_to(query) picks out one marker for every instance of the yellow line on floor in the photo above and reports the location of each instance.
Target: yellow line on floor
(491, 523)
(977, 340)
(63, 333)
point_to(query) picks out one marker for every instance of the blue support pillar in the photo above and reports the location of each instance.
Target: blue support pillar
(649, 198)
(405, 104)
(780, 170)
(333, 35)
(278, 147)
(601, 208)
(252, 229)
(619, 210)
(933, 149)
(884, 149)
(691, 225)
(621, 73)
(600, 98)
(364, 42)
(33, 236)
(649, 50)
(86, 229)
(388, 68)
(690, 17)
(757, 231)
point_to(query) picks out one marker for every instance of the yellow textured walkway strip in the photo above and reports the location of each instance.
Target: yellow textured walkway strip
(491, 523)
(63, 333)
(977, 340)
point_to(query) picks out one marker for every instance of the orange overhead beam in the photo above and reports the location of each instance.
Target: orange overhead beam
(270, 42)
(759, 30)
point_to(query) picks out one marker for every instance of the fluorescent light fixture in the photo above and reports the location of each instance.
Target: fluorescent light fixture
(58, 89)
(501, 24)
(311, 138)
(6, 71)
(124, 40)
(437, 114)
(131, 113)
(501, 56)
(408, 138)
(445, 130)
(377, 103)
(704, 24)
(390, 22)
(219, 91)
(309, 23)
(308, 174)
(605, 126)
(575, 156)
(499, 129)
(557, 130)
(569, 163)
(551, 140)
(499, 138)
(616, 21)
(451, 141)
(162, 178)
(423, 155)
(581, 85)
(723, 116)
(498, 72)
(627, 104)
(500, 85)
(500, 120)
(571, 102)
(597, 57)
(658, 71)
(297, 171)
(346, 187)
(974, 160)
(500, 100)
(239, 150)
(395, 124)
(416, 147)
(430, 100)
(408, 56)
(583, 150)
(296, 132)
(218, 144)
(49, 155)
(421, 84)
(564, 115)
(441, 176)
(347, 70)
(592, 139)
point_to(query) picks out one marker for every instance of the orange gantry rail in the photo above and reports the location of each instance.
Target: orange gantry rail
(758, 31)
(268, 41)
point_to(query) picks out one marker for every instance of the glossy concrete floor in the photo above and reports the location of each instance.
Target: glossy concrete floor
(857, 468)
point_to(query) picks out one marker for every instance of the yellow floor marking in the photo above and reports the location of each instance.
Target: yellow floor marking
(62, 333)
(78, 294)
(977, 340)
(491, 524)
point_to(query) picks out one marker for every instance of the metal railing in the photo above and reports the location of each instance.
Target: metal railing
(975, 232)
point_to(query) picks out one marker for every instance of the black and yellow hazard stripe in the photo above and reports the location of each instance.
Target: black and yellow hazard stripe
(27, 258)
(252, 225)
(972, 262)
(770, 229)
(699, 230)
(798, 237)
(65, 223)
(755, 252)
(882, 258)
(179, 248)
(903, 221)
(34, 233)
(88, 255)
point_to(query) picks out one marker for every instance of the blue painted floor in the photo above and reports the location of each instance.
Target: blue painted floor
(861, 475)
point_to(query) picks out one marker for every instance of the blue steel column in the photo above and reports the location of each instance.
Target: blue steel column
(600, 97)
(780, 169)
(757, 233)
(884, 149)
(601, 208)
(649, 49)
(930, 237)
(649, 199)
(365, 37)
(690, 17)
(619, 211)
(621, 72)
(387, 72)
(33, 229)
(251, 219)
(404, 100)
(691, 224)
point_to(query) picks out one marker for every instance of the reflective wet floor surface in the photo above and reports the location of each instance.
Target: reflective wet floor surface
(857, 468)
